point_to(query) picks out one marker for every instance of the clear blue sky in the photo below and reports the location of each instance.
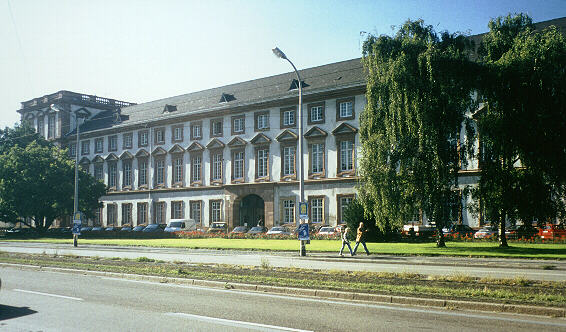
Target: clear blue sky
(145, 50)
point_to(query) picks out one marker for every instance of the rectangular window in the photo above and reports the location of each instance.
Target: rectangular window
(288, 160)
(317, 158)
(142, 213)
(112, 175)
(113, 143)
(85, 147)
(196, 130)
(343, 202)
(345, 109)
(346, 156)
(317, 210)
(238, 165)
(142, 172)
(159, 136)
(178, 170)
(215, 211)
(262, 163)
(98, 217)
(238, 125)
(216, 166)
(127, 173)
(99, 171)
(73, 150)
(196, 162)
(126, 214)
(195, 211)
(160, 210)
(177, 134)
(41, 126)
(288, 211)
(177, 210)
(99, 145)
(216, 127)
(159, 172)
(262, 121)
(316, 114)
(143, 138)
(51, 126)
(128, 138)
(111, 214)
(289, 118)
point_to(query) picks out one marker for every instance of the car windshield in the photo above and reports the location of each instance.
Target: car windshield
(239, 228)
(217, 226)
(179, 224)
(256, 229)
(152, 226)
(326, 229)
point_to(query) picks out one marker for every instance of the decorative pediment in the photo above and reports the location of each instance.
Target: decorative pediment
(260, 139)
(237, 142)
(176, 149)
(97, 159)
(315, 132)
(85, 160)
(82, 113)
(158, 151)
(142, 154)
(111, 157)
(287, 135)
(126, 155)
(344, 129)
(196, 146)
(215, 144)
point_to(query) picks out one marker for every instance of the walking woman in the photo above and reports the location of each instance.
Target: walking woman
(361, 238)
(345, 242)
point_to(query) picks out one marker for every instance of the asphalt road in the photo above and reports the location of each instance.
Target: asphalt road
(52, 301)
(479, 267)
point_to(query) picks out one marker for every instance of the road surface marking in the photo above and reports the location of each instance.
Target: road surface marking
(47, 294)
(234, 323)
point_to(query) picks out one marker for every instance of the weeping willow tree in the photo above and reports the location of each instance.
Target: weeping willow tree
(522, 128)
(419, 89)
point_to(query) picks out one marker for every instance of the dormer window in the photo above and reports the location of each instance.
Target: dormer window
(169, 108)
(295, 84)
(226, 97)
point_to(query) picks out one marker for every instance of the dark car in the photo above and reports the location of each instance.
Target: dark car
(154, 228)
(126, 229)
(239, 230)
(97, 229)
(86, 229)
(139, 228)
(461, 230)
(111, 229)
(257, 230)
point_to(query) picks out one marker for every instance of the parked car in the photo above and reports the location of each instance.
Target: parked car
(526, 231)
(85, 229)
(420, 231)
(327, 230)
(279, 230)
(460, 230)
(218, 227)
(176, 225)
(552, 232)
(96, 229)
(126, 229)
(111, 229)
(239, 230)
(139, 228)
(486, 232)
(154, 228)
(257, 230)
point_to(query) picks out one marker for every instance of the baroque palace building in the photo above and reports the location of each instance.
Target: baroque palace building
(224, 154)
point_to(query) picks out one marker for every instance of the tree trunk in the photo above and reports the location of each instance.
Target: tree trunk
(440, 238)
(502, 237)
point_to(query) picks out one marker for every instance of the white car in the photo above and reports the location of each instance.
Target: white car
(279, 230)
(485, 232)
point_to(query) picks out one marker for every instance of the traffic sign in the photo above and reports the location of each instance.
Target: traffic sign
(77, 228)
(304, 232)
(303, 210)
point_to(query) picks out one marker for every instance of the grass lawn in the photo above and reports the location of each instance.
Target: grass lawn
(470, 249)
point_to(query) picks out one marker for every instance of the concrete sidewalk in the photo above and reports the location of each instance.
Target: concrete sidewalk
(551, 270)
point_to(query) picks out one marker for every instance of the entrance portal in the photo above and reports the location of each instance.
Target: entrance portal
(252, 211)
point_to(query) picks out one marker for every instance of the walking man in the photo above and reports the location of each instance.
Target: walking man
(345, 242)
(361, 238)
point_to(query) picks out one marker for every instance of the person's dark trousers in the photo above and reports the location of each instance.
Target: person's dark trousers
(344, 243)
(363, 244)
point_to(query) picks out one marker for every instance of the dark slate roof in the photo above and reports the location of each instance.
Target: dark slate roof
(319, 79)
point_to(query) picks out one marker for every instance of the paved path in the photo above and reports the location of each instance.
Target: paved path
(479, 267)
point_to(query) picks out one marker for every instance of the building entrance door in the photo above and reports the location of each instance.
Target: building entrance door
(252, 211)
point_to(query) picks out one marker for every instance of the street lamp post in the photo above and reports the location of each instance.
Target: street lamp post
(280, 54)
(76, 199)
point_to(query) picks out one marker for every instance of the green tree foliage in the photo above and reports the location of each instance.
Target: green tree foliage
(37, 182)
(522, 128)
(22, 135)
(418, 91)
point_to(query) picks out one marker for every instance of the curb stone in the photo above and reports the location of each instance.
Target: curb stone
(322, 293)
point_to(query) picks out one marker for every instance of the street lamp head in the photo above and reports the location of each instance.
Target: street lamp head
(278, 53)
